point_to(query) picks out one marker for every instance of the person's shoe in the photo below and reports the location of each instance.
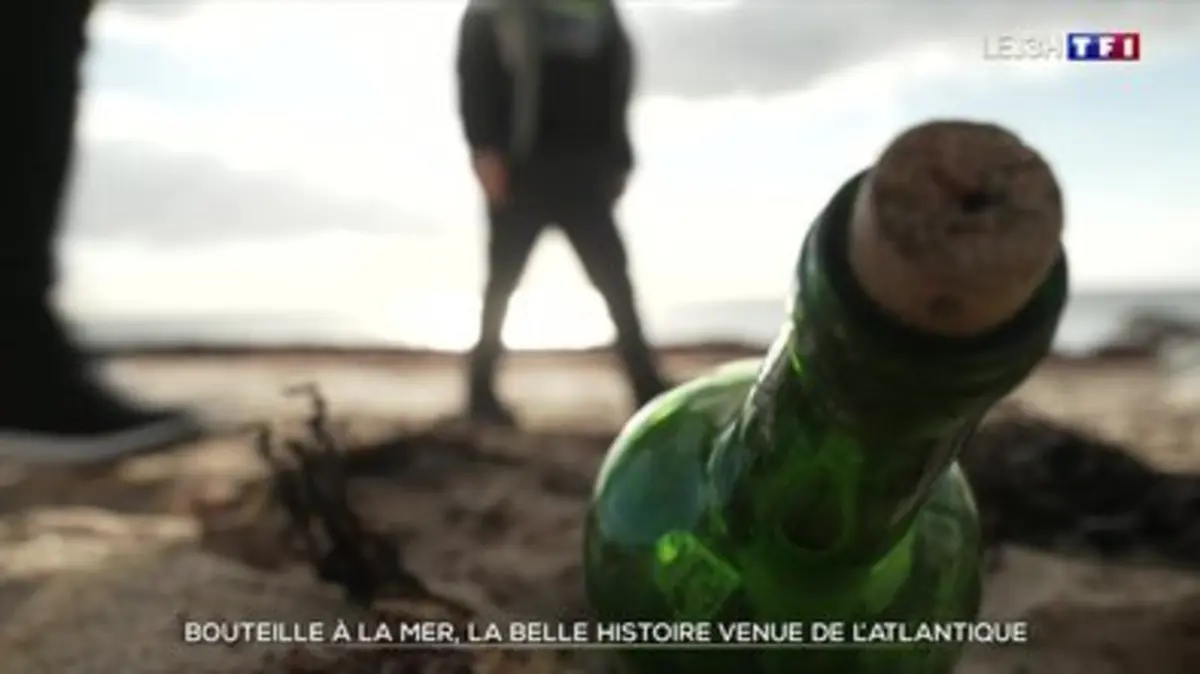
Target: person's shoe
(53, 409)
(647, 390)
(61, 414)
(82, 423)
(486, 408)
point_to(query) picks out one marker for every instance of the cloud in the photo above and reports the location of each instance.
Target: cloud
(140, 67)
(769, 46)
(128, 191)
(691, 48)
(164, 9)
(340, 116)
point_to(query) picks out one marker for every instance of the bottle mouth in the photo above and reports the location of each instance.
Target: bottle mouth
(826, 261)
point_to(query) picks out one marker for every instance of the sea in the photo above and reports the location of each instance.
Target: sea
(1092, 320)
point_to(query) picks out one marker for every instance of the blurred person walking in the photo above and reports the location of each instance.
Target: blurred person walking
(52, 408)
(544, 90)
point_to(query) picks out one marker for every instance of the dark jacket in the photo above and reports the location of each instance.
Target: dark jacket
(577, 106)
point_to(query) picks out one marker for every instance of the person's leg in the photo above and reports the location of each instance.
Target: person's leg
(513, 231)
(42, 82)
(592, 231)
(51, 410)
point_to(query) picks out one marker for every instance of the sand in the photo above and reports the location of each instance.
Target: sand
(100, 565)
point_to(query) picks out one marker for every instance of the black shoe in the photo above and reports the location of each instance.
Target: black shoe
(73, 419)
(53, 410)
(486, 408)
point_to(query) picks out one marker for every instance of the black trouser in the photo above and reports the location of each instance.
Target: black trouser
(44, 45)
(576, 195)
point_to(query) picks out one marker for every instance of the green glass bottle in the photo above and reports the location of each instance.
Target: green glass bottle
(819, 484)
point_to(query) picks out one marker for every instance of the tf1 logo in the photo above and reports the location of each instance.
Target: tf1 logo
(1059, 47)
(1104, 46)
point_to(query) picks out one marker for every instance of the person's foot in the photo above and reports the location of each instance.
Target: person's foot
(90, 427)
(54, 410)
(648, 389)
(486, 408)
(80, 422)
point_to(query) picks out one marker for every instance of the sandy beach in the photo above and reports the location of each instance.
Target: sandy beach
(99, 564)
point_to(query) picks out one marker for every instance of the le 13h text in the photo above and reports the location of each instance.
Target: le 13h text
(1110, 47)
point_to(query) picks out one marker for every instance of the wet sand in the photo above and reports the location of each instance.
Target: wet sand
(100, 563)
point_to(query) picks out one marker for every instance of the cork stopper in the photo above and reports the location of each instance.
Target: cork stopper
(956, 227)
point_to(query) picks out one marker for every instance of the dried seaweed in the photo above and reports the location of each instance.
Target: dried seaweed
(1046, 485)
(309, 481)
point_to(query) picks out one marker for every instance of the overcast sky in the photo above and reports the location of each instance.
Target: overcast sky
(254, 154)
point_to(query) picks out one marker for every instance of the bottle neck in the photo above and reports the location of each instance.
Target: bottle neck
(854, 417)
